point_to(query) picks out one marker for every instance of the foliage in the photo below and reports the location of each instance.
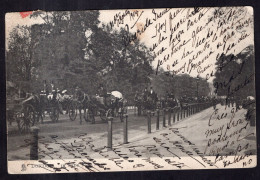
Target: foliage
(73, 49)
(179, 85)
(235, 74)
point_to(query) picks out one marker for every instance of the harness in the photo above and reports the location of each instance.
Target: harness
(28, 99)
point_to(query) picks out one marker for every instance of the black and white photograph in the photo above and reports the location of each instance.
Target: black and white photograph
(130, 90)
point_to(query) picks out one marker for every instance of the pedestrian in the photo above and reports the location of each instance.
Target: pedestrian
(145, 94)
(152, 96)
(137, 103)
(103, 93)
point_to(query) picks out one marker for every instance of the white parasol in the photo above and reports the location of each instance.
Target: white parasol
(117, 94)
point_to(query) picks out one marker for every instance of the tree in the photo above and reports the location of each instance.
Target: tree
(20, 66)
(74, 50)
(62, 50)
(128, 68)
(235, 74)
(180, 85)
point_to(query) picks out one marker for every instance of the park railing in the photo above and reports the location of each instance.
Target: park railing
(166, 115)
(169, 115)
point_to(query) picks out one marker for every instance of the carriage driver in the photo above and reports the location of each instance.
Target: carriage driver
(59, 98)
(145, 94)
(103, 93)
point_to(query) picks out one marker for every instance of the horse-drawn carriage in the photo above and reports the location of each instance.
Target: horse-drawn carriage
(48, 104)
(111, 105)
(19, 109)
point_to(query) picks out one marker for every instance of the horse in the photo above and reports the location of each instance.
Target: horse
(46, 102)
(78, 102)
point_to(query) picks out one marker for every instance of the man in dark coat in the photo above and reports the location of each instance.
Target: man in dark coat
(153, 96)
(103, 93)
(145, 94)
(79, 94)
(137, 103)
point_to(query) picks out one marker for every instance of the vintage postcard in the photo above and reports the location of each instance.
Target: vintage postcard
(130, 90)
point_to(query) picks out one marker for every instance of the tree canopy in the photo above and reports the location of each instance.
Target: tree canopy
(74, 49)
(180, 85)
(235, 74)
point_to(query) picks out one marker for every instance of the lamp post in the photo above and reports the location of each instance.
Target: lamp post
(197, 87)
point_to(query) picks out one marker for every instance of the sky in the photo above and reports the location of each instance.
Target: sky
(174, 23)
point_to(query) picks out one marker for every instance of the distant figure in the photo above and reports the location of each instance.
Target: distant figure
(238, 102)
(152, 94)
(59, 99)
(138, 103)
(59, 96)
(167, 95)
(65, 100)
(65, 94)
(79, 94)
(249, 105)
(214, 102)
(103, 93)
(153, 97)
(145, 94)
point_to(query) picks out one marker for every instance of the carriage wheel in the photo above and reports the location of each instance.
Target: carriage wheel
(102, 114)
(89, 116)
(108, 113)
(54, 114)
(26, 118)
(72, 111)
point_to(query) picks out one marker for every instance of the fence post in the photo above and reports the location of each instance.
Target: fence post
(173, 115)
(158, 119)
(149, 121)
(125, 129)
(178, 114)
(164, 112)
(169, 116)
(93, 118)
(109, 133)
(34, 143)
